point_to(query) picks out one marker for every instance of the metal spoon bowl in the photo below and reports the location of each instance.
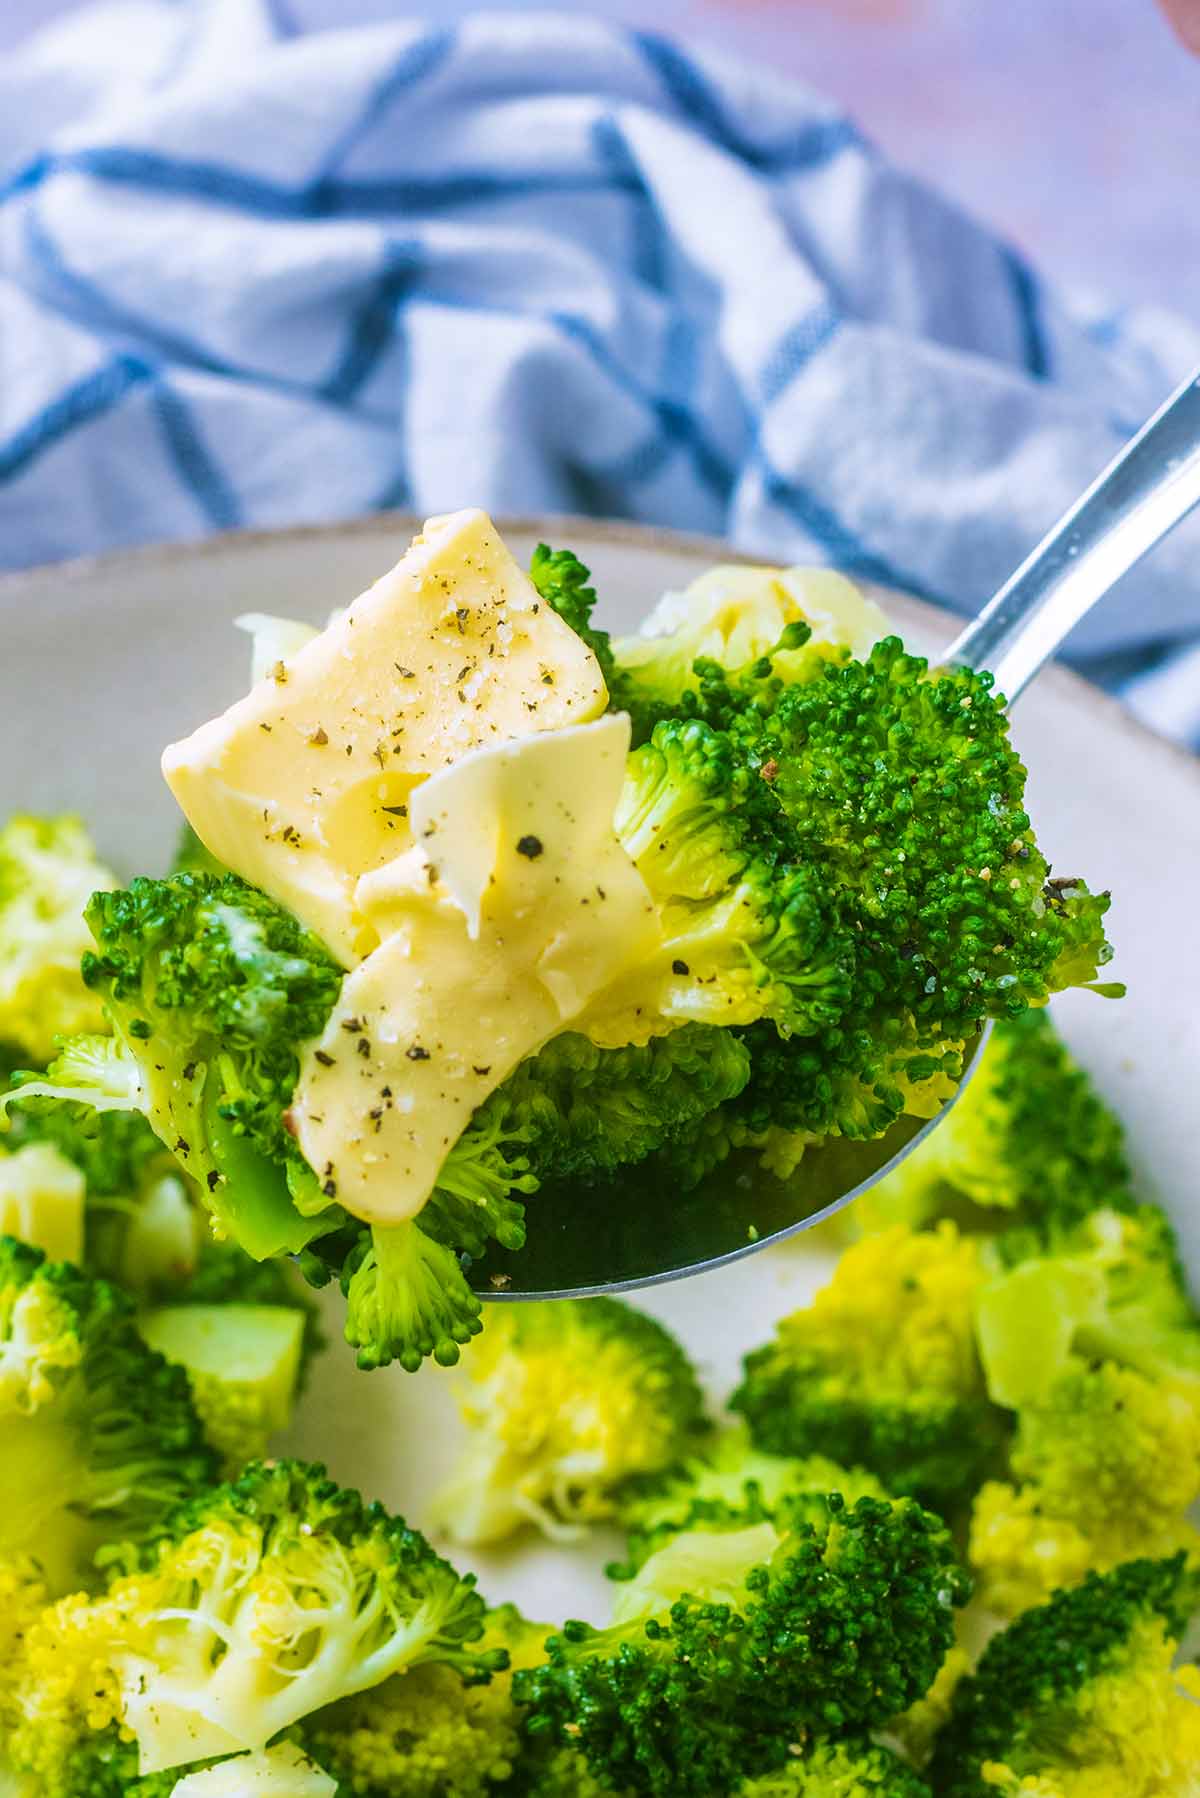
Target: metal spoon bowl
(621, 1236)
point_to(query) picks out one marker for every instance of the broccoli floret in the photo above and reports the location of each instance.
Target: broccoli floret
(881, 1370)
(1080, 1696)
(854, 1767)
(1029, 1143)
(564, 583)
(42, 1200)
(48, 872)
(211, 988)
(747, 934)
(730, 1644)
(243, 1367)
(100, 1435)
(566, 1400)
(734, 616)
(1112, 1289)
(728, 1479)
(427, 1733)
(260, 1603)
(1098, 1350)
(901, 783)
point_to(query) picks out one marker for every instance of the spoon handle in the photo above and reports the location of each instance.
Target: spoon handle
(1142, 494)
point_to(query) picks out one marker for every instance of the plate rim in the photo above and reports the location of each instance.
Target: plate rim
(76, 570)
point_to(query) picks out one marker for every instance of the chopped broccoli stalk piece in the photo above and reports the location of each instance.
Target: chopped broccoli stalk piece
(1080, 1695)
(101, 1439)
(1029, 1144)
(42, 1200)
(727, 1480)
(48, 872)
(881, 1370)
(262, 1602)
(565, 1401)
(729, 1644)
(243, 1366)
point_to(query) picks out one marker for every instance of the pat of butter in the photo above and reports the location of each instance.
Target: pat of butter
(515, 907)
(305, 784)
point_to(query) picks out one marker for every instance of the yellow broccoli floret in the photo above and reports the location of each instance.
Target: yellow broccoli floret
(881, 1370)
(48, 872)
(565, 1401)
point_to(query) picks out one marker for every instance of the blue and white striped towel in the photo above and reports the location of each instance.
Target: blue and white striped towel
(250, 275)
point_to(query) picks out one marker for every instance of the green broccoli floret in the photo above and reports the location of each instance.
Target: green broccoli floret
(48, 872)
(731, 1643)
(1080, 1697)
(905, 799)
(853, 1767)
(748, 933)
(900, 782)
(100, 1435)
(259, 1603)
(211, 988)
(728, 1479)
(881, 1370)
(564, 583)
(565, 1401)
(1030, 1143)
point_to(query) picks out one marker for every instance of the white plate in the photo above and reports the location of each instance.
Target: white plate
(103, 662)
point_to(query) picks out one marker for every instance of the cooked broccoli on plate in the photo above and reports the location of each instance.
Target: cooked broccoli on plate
(479, 912)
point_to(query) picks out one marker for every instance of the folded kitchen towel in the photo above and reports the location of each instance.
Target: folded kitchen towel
(251, 275)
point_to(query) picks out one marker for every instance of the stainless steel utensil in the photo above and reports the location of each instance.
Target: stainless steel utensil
(607, 1240)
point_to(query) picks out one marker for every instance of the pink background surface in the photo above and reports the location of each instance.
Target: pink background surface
(1074, 125)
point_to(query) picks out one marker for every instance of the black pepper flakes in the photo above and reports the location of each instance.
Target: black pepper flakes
(326, 1060)
(417, 1053)
(363, 1045)
(482, 1072)
(530, 847)
(330, 1189)
(680, 967)
(214, 1179)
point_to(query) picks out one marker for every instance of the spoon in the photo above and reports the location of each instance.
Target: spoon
(603, 1241)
